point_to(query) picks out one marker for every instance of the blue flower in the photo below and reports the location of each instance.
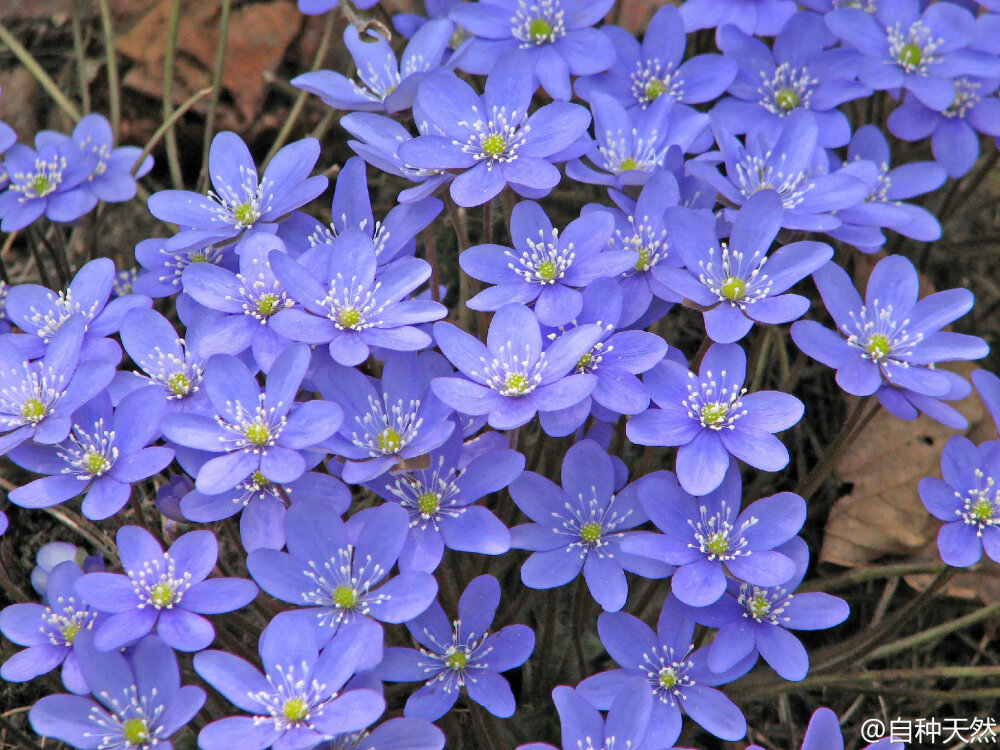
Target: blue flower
(112, 179)
(759, 17)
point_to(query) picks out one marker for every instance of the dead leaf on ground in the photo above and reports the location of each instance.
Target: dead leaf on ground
(259, 34)
(980, 582)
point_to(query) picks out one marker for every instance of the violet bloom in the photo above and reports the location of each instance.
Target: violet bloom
(643, 73)
(967, 500)
(48, 556)
(48, 179)
(106, 453)
(580, 526)
(616, 359)
(793, 165)
(754, 17)
(954, 131)
(799, 74)
(395, 734)
(338, 570)
(440, 501)
(710, 416)
(112, 179)
(254, 430)
(555, 36)
(241, 200)
(387, 422)
(40, 312)
(167, 591)
(512, 378)
(757, 620)
(823, 733)
(161, 269)
(297, 702)
(38, 399)
(491, 137)
(545, 266)
(385, 84)
(708, 536)
(139, 703)
(460, 653)
(676, 676)
(888, 342)
(988, 387)
(631, 145)
(583, 727)
(248, 299)
(49, 631)
(347, 303)
(738, 281)
(884, 205)
(318, 7)
(922, 51)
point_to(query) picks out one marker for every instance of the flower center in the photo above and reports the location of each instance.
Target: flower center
(258, 434)
(96, 463)
(428, 503)
(628, 164)
(295, 710)
(713, 414)
(668, 678)
(246, 214)
(539, 29)
(267, 304)
(197, 258)
(162, 595)
(516, 384)
(787, 99)
(494, 145)
(42, 185)
(718, 543)
(345, 597)
(910, 56)
(457, 660)
(878, 346)
(585, 361)
(135, 731)
(70, 630)
(982, 511)
(759, 606)
(547, 271)
(349, 317)
(179, 383)
(654, 88)
(590, 532)
(33, 410)
(733, 288)
(390, 441)
(643, 263)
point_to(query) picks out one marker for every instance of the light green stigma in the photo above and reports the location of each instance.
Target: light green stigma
(95, 463)
(910, 56)
(295, 710)
(33, 410)
(245, 214)
(344, 597)
(267, 304)
(42, 185)
(516, 384)
(135, 732)
(163, 595)
(457, 660)
(390, 441)
(668, 678)
(258, 434)
(759, 606)
(259, 479)
(585, 361)
(494, 145)
(787, 99)
(982, 511)
(540, 29)
(590, 532)
(70, 631)
(733, 288)
(628, 164)
(179, 383)
(712, 414)
(718, 544)
(428, 503)
(878, 346)
(197, 258)
(547, 271)
(654, 89)
(643, 263)
(348, 317)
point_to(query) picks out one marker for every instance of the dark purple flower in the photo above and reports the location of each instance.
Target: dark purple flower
(440, 500)
(677, 677)
(166, 591)
(140, 701)
(162, 268)
(710, 416)
(386, 422)
(708, 536)
(555, 36)
(888, 342)
(580, 526)
(738, 281)
(385, 84)
(823, 733)
(491, 137)
(112, 179)
(545, 266)
(297, 702)
(967, 500)
(755, 619)
(254, 430)
(583, 727)
(347, 302)
(338, 570)
(105, 454)
(512, 378)
(460, 653)
(241, 200)
(49, 631)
